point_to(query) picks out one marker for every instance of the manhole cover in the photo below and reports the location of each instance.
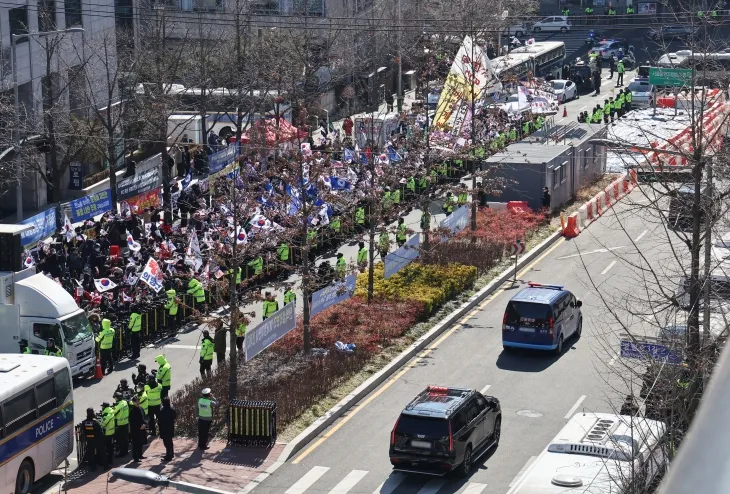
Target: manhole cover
(529, 413)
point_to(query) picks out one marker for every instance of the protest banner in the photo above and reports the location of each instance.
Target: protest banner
(265, 334)
(138, 184)
(456, 221)
(332, 294)
(395, 261)
(218, 161)
(75, 176)
(44, 225)
(90, 206)
(152, 275)
(151, 199)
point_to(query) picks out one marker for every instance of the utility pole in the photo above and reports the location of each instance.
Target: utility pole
(709, 218)
(400, 59)
(473, 135)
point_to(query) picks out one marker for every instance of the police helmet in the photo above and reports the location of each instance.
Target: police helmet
(140, 387)
(23, 342)
(117, 395)
(90, 413)
(124, 383)
(206, 391)
(142, 368)
(51, 342)
(106, 404)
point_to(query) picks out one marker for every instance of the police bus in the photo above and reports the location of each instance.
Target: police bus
(542, 59)
(36, 418)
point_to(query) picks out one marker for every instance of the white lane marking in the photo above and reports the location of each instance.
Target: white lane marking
(307, 480)
(522, 470)
(613, 263)
(575, 407)
(597, 251)
(391, 484)
(485, 388)
(474, 488)
(183, 347)
(349, 482)
(641, 235)
(432, 486)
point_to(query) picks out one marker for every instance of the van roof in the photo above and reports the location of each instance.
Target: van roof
(19, 371)
(437, 401)
(542, 295)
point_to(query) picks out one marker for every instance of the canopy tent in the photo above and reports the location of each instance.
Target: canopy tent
(286, 132)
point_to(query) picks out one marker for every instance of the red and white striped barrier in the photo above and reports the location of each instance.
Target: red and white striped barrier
(593, 209)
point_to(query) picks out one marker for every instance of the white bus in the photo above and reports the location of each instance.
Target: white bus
(598, 453)
(542, 59)
(36, 419)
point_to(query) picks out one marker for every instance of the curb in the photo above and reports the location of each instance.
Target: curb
(377, 379)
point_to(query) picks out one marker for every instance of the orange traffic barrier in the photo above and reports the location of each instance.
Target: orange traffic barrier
(98, 373)
(571, 229)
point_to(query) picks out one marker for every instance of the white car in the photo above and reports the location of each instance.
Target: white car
(564, 90)
(553, 23)
(518, 30)
(608, 48)
(642, 93)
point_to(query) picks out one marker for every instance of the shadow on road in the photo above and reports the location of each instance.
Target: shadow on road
(523, 360)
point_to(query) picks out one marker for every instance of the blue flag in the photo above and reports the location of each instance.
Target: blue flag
(186, 181)
(348, 156)
(393, 155)
(339, 183)
(363, 158)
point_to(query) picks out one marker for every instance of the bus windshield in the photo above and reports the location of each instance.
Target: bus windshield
(76, 328)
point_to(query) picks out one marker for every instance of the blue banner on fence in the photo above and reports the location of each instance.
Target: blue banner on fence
(332, 294)
(456, 221)
(395, 261)
(649, 350)
(44, 225)
(265, 334)
(139, 183)
(223, 158)
(76, 176)
(91, 205)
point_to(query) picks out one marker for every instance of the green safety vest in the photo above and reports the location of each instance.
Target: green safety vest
(26, 350)
(538, 124)
(56, 353)
(566, 12)
(411, 184)
(621, 100)
(611, 12)
(628, 97)
(311, 235)
(387, 200)
(206, 350)
(106, 339)
(107, 421)
(589, 10)
(143, 402)
(607, 109)
(241, 330)
(135, 322)
(171, 304)
(154, 395)
(164, 375)
(462, 199)
(205, 409)
(401, 233)
(283, 252)
(396, 196)
(425, 220)
(289, 297)
(526, 128)
(341, 266)
(512, 134)
(195, 288)
(121, 413)
(336, 225)
(384, 241)
(270, 306)
(620, 67)
(449, 205)
(362, 255)
(598, 116)
(629, 10)
(257, 265)
(422, 182)
(360, 216)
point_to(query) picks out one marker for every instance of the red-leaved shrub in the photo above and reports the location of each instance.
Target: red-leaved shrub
(503, 227)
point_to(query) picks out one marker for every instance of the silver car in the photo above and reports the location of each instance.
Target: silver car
(642, 93)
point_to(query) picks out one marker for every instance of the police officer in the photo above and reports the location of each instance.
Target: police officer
(24, 347)
(171, 306)
(362, 259)
(627, 100)
(400, 233)
(340, 266)
(135, 329)
(105, 339)
(144, 402)
(463, 196)
(289, 295)
(108, 425)
(195, 288)
(142, 377)
(153, 390)
(205, 416)
(121, 416)
(94, 439)
(52, 349)
(125, 390)
(448, 206)
(270, 305)
(164, 374)
(606, 111)
(383, 244)
(206, 355)
(620, 69)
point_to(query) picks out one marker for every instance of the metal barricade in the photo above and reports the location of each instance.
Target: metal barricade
(252, 423)
(80, 444)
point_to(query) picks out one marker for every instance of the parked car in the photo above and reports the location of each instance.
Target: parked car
(609, 47)
(565, 90)
(553, 23)
(580, 74)
(518, 30)
(642, 93)
(672, 31)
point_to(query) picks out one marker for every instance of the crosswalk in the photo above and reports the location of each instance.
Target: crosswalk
(318, 479)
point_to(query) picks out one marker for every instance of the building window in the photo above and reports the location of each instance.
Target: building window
(562, 173)
(47, 15)
(585, 158)
(556, 172)
(313, 8)
(74, 13)
(19, 22)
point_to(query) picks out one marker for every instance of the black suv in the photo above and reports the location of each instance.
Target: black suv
(444, 430)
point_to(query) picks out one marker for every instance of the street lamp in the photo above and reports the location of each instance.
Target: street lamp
(13, 43)
(152, 479)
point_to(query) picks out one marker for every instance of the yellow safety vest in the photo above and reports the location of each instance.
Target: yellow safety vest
(241, 330)
(171, 304)
(164, 375)
(107, 421)
(121, 413)
(205, 408)
(143, 402)
(106, 339)
(206, 350)
(135, 322)
(154, 397)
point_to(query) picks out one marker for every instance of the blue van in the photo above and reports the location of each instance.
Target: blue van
(541, 317)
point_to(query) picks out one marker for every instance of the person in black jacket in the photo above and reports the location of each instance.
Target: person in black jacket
(166, 418)
(138, 430)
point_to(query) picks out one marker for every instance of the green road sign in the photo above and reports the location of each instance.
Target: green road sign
(670, 77)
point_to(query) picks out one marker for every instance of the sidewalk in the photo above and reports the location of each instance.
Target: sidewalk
(227, 469)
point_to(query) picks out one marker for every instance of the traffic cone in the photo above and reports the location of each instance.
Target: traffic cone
(565, 111)
(98, 373)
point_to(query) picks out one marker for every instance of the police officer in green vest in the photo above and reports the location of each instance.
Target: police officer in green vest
(195, 288)
(463, 196)
(336, 225)
(360, 218)
(411, 186)
(171, 306)
(400, 232)
(387, 201)
(144, 402)
(589, 15)
(205, 416)
(512, 134)
(207, 349)
(565, 11)
(422, 183)
(606, 111)
(289, 295)
(241, 327)
(362, 256)
(630, 11)
(257, 265)
(164, 375)
(611, 15)
(597, 114)
(153, 389)
(52, 349)
(24, 347)
(539, 122)
(449, 203)
(135, 329)
(340, 266)
(526, 128)
(109, 426)
(105, 339)
(425, 220)
(627, 100)
(383, 244)
(283, 252)
(620, 69)
(620, 102)
(271, 305)
(121, 416)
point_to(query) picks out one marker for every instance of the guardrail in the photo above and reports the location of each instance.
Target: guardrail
(252, 423)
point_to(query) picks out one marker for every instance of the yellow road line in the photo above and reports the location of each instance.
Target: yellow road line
(423, 353)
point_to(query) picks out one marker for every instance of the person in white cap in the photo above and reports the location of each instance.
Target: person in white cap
(205, 417)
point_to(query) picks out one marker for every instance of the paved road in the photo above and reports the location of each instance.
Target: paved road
(538, 392)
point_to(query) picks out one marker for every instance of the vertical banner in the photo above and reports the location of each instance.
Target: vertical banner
(265, 334)
(397, 260)
(76, 176)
